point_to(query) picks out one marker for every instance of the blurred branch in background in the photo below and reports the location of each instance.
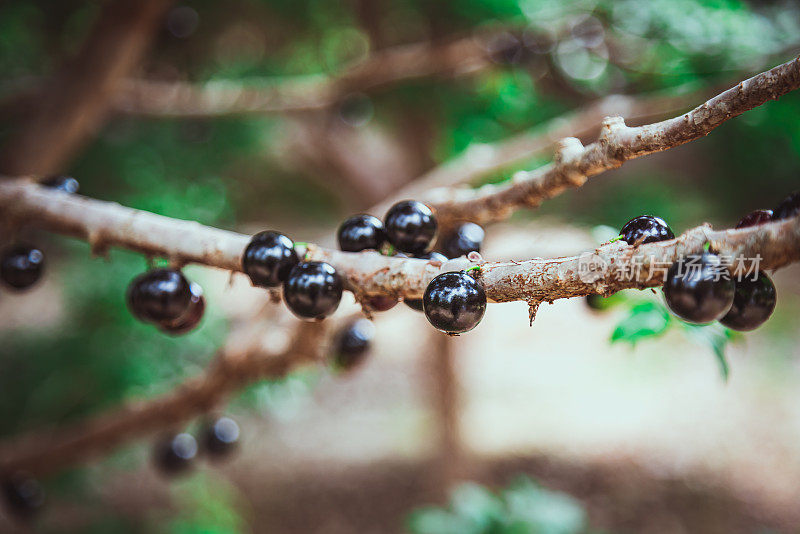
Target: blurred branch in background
(73, 104)
(242, 363)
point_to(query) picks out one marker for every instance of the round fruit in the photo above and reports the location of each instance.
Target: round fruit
(361, 232)
(159, 296)
(410, 226)
(176, 453)
(23, 494)
(67, 184)
(191, 318)
(596, 302)
(789, 207)
(646, 229)
(454, 302)
(221, 437)
(21, 266)
(268, 258)
(753, 303)
(416, 304)
(381, 303)
(754, 218)
(467, 238)
(353, 343)
(698, 288)
(313, 290)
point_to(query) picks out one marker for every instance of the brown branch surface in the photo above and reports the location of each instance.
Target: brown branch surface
(74, 104)
(618, 143)
(106, 224)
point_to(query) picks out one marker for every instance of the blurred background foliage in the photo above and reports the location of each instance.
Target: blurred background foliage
(233, 172)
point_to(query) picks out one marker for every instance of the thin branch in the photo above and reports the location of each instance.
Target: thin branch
(44, 452)
(617, 143)
(304, 93)
(482, 160)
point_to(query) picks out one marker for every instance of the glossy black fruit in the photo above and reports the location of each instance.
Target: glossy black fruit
(175, 454)
(454, 302)
(352, 343)
(753, 303)
(221, 436)
(698, 289)
(410, 226)
(754, 218)
(789, 207)
(416, 304)
(160, 296)
(646, 229)
(361, 232)
(21, 266)
(313, 290)
(23, 494)
(67, 184)
(191, 318)
(269, 258)
(467, 238)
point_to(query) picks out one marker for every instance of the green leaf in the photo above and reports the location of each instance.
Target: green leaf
(716, 337)
(646, 319)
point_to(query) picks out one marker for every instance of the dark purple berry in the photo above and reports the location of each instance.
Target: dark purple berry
(352, 343)
(221, 437)
(175, 454)
(699, 289)
(23, 494)
(755, 218)
(416, 304)
(313, 290)
(753, 303)
(159, 296)
(410, 226)
(21, 266)
(268, 259)
(361, 232)
(67, 184)
(467, 238)
(646, 229)
(381, 303)
(789, 207)
(454, 302)
(191, 318)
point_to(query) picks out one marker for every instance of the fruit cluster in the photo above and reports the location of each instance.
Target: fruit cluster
(175, 454)
(699, 288)
(453, 302)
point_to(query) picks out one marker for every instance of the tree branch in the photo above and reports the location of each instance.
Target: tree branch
(618, 143)
(391, 65)
(44, 452)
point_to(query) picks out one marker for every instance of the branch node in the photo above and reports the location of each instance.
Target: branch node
(98, 247)
(533, 307)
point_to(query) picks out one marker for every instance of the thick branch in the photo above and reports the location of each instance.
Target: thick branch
(109, 224)
(41, 453)
(617, 144)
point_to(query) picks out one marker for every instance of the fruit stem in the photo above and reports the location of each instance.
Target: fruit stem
(615, 239)
(473, 268)
(707, 246)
